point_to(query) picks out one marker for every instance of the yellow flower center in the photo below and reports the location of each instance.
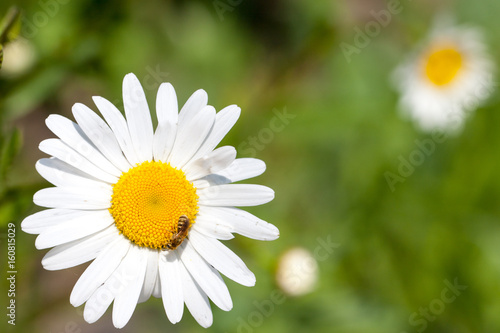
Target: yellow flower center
(443, 65)
(148, 201)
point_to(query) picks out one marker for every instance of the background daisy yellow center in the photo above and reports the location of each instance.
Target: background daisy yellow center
(148, 200)
(443, 65)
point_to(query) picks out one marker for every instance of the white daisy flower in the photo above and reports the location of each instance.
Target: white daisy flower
(449, 76)
(148, 208)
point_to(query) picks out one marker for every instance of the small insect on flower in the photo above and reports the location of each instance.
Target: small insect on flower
(182, 231)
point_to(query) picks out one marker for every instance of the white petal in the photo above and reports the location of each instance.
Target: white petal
(60, 173)
(167, 109)
(212, 228)
(157, 288)
(99, 271)
(101, 135)
(163, 141)
(118, 124)
(98, 302)
(213, 162)
(59, 149)
(171, 285)
(240, 169)
(86, 224)
(79, 251)
(38, 222)
(243, 168)
(73, 198)
(201, 183)
(205, 276)
(190, 136)
(138, 117)
(197, 101)
(126, 300)
(150, 277)
(235, 195)
(224, 121)
(196, 300)
(117, 281)
(167, 112)
(73, 136)
(241, 222)
(222, 258)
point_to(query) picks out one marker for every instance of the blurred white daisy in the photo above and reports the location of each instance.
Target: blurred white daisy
(19, 57)
(297, 272)
(450, 75)
(148, 207)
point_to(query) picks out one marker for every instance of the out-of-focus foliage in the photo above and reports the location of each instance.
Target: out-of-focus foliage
(10, 27)
(327, 125)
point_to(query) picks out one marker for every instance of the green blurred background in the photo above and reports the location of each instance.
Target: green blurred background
(327, 163)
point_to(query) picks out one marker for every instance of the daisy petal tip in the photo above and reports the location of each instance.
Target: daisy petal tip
(174, 319)
(89, 318)
(44, 263)
(236, 109)
(37, 198)
(77, 106)
(38, 163)
(268, 194)
(227, 308)
(206, 323)
(132, 83)
(39, 245)
(41, 145)
(97, 99)
(130, 76)
(73, 301)
(210, 108)
(50, 119)
(48, 266)
(261, 164)
(274, 233)
(251, 281)
(25, 224)
(119, 323)
(201, 92)
(166, 86)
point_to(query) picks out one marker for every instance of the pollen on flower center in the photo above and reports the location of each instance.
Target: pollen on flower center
(148, 200)
(443, 65)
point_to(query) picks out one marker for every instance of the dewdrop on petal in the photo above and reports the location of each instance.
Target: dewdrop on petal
(297, 272)
(447, 78)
